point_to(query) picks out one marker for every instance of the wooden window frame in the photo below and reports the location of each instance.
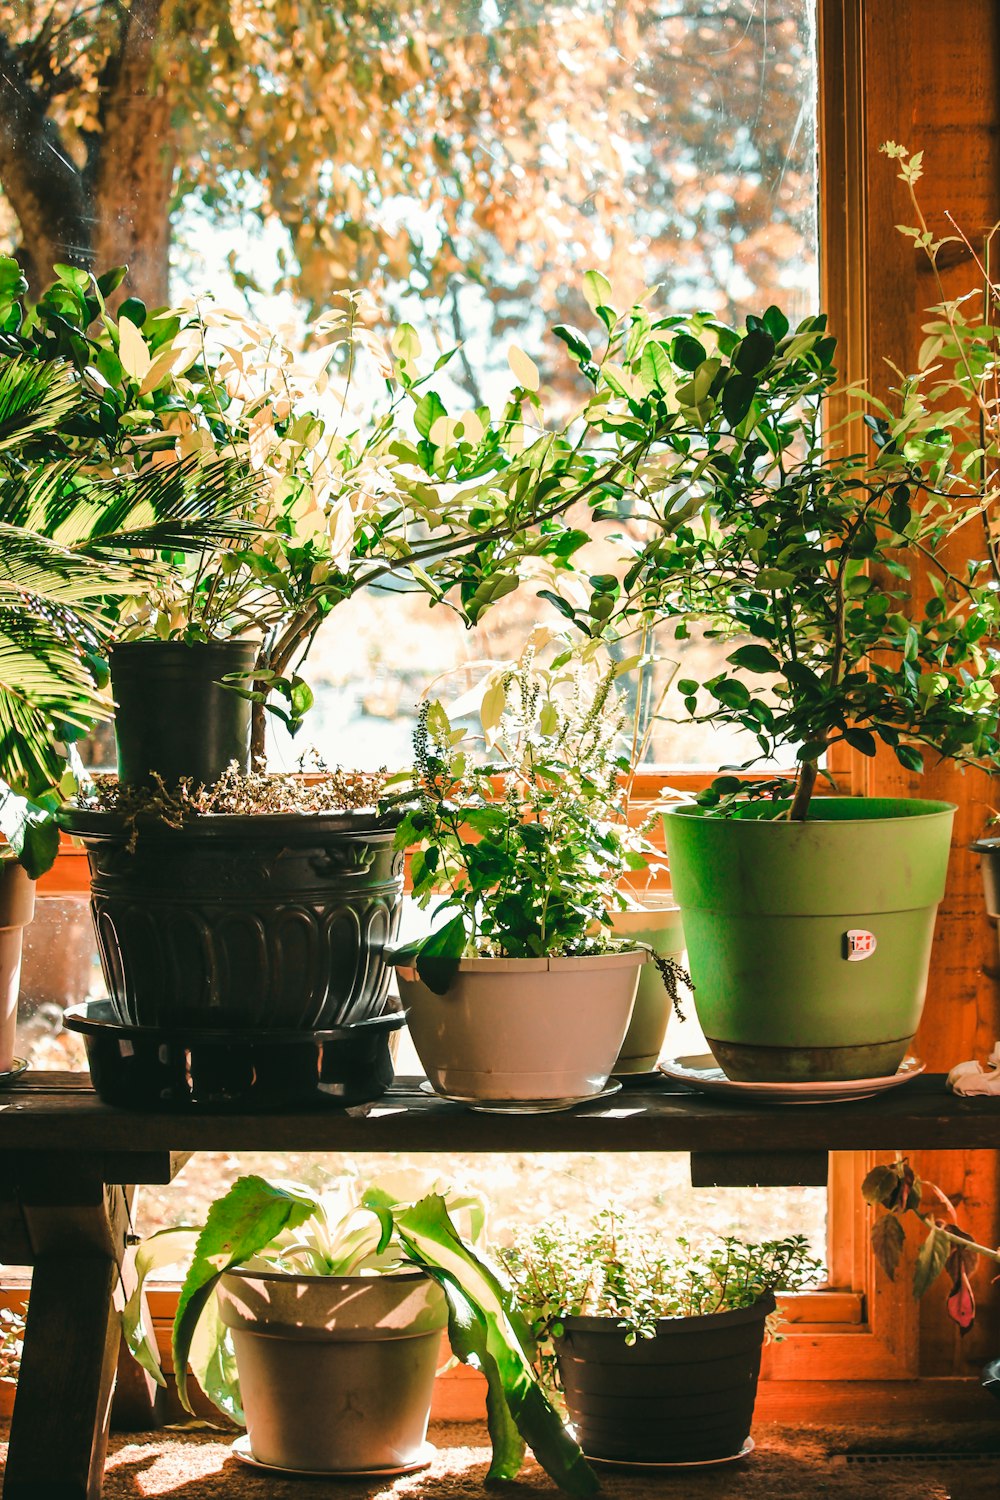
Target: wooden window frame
(864, 1328)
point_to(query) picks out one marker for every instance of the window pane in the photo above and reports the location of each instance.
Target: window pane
(466, 160)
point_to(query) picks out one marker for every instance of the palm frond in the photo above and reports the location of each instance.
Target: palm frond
(34, 395)
(45, 691)
(35, 568)
(187, 507)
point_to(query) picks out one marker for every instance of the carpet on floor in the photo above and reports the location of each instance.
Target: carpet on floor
(802, 1463)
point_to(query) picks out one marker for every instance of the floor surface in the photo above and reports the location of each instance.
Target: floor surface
(819, 1463)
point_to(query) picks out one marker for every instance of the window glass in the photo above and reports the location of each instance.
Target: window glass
(466, 160)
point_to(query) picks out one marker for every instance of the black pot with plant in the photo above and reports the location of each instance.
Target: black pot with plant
(656, 1350)
(261, 902)
(176, 715)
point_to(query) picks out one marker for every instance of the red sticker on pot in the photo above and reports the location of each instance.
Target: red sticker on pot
(858, 944)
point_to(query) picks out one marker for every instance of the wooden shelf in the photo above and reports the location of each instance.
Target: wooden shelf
(49, 1112)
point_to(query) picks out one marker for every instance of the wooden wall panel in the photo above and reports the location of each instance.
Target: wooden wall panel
(931, 83)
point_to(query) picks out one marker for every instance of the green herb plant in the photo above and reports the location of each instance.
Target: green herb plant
(947, 1249)
(280, 1226)
(521, 831)
(754, 525)
(614, 1269)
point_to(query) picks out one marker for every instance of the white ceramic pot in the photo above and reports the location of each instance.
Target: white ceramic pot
(17, 905)
(534, 1029)
(336, 1372)
(659, 925)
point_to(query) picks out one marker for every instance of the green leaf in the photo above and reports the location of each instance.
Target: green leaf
(737, 397)
(31, 832)
(439, 955)
(487, 1330)
(754, 353)
(428, 409)
(487, 592)
(775, 322)
(111, 280)
(134, 309)
(597, 291)
(930, 1262)
(158, 1250)
(576, 342)
(247, 1219)
(754, 658)
(861, 739)
(688, 351)
(910, 757)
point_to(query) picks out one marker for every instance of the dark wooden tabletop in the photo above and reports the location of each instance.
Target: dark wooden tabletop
(60, 1112)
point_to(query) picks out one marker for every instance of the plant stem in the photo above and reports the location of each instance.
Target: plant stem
(804, 786)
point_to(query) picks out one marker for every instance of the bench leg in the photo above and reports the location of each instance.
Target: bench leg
(59, 1429)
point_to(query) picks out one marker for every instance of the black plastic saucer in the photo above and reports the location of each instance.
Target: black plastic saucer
(154, 1068)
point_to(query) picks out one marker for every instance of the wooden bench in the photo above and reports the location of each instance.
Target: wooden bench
(69, 1166)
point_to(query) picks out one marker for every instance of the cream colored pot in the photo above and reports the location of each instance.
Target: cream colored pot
(17, 906)
(534, 1029)
(336, 1372)
(659, 925)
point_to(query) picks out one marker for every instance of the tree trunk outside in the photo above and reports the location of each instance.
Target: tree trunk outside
(133, 180)
(132, 198)
(115, 210)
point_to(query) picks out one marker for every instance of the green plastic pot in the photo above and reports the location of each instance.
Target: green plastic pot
(809, 943)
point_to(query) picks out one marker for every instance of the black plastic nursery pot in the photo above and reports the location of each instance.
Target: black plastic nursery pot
(175, 716)
(180, 1069)
(685, 1396)
(275, 920)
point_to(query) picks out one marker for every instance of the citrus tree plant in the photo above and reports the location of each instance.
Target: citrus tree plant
(752, 523)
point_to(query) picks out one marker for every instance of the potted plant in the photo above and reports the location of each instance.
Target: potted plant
(322, 1322)
(656, 1351)
(808, 919)
(521, 995)
(66, 547)
(347, 495)
(947, 1249)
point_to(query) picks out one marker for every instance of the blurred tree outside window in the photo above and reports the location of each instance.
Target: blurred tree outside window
(466, 160)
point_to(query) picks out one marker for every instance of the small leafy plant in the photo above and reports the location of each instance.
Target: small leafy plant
(612, 1269)
(284, 1227)
(524, 845)
(947, 1248)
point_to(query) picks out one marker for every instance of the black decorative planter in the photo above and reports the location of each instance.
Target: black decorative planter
(174, 715)
(685, 1396)
(277, 920)
(171, 1069)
